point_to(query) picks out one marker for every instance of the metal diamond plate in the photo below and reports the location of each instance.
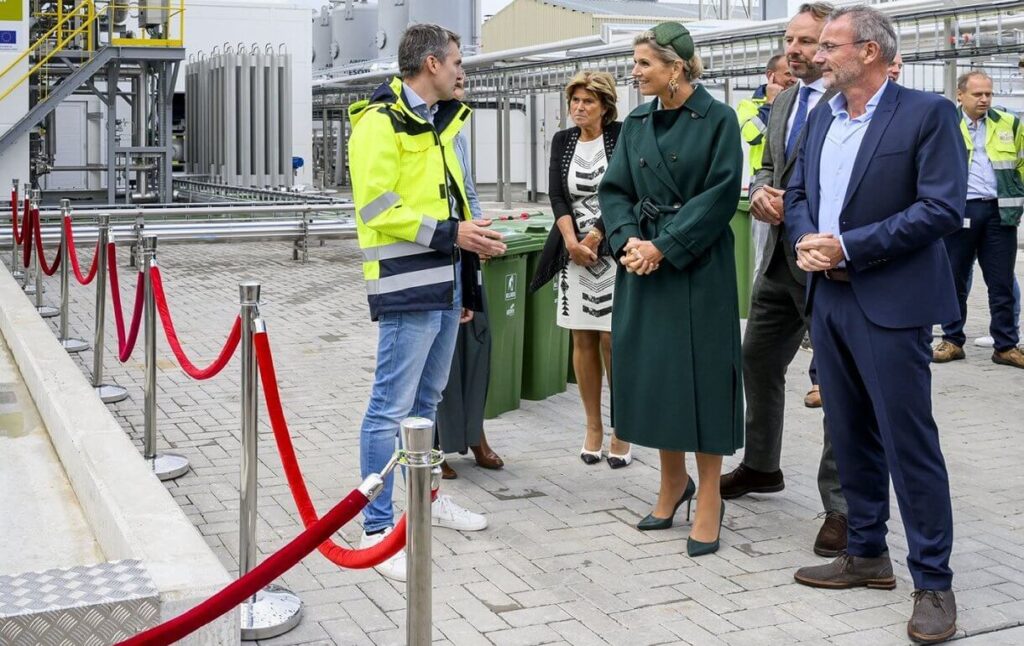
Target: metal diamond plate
(93, 605)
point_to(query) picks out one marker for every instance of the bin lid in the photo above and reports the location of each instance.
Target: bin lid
(516, 241)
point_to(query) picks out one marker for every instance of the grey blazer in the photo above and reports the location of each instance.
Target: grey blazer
(776, 169)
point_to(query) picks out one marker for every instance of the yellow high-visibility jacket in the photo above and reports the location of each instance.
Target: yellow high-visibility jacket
(1004, 145)
(405, 179)
(753, 118)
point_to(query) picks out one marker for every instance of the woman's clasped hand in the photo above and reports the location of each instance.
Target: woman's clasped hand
(640, 257)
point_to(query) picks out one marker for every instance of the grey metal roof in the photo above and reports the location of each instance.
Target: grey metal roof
(627, 8)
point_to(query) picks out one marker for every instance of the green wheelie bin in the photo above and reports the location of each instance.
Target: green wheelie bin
(506, 286)
(546, 347)
(744, 251)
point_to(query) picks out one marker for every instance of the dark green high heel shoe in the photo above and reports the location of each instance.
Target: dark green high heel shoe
(652, 522)
(698, 548)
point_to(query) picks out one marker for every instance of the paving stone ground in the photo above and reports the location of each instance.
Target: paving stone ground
(561, 562)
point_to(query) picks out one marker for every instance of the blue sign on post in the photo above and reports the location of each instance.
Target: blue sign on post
(8, 39)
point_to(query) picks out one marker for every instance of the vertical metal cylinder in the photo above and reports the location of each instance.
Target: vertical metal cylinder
(108, 393)
(149, 338)
(249, 297)
(44, 311)
(14, 247)
(71, 345)
(103, 222)
(418, 439)
(506, 149)
(273, 610)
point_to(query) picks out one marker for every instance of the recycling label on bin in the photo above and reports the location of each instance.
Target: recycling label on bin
(511, 281)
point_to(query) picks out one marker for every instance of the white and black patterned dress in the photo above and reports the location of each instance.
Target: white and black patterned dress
(585, 293)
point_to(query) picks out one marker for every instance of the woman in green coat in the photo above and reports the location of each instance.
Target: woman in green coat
(667, 199)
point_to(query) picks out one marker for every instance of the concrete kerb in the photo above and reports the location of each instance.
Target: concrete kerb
(129, 511)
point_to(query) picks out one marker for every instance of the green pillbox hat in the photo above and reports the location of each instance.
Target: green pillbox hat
(674, 35)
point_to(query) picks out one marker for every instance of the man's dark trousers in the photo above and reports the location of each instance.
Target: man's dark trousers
(878, 403)
(995, 247)
(775, 327)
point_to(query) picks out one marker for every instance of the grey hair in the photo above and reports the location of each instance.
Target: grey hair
(870, 25)
(693, 69)
(820, 10)
(773, 62)
(420, 42)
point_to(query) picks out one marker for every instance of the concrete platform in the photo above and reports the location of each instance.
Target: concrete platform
(561, 562)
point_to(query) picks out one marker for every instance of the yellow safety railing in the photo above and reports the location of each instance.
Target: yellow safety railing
(172, 23)
(78, 22)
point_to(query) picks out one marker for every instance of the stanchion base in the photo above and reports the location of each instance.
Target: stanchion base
(74, 345)
(168, 466)
(275, 611)
(30, 289)
(18, 274)
(47, 312)
(111, 393)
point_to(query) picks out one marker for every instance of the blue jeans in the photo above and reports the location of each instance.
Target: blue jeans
(414, 355)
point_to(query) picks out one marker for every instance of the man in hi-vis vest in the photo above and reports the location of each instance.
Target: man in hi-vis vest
(421, 255)
(995, 197)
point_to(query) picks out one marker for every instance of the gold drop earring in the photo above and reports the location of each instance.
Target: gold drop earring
(673, 85)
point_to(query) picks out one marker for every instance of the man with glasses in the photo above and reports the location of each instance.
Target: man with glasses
(879, 279)
(777, 321)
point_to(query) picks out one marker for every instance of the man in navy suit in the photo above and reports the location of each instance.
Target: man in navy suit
(879, 182)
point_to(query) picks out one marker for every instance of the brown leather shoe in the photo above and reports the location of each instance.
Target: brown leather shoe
(487, 458)
(947, 351)
(743, 480)
(448, 473)
(934, 617)
(813, 397)
(831, 540)
(1012, 357)
(849, 572)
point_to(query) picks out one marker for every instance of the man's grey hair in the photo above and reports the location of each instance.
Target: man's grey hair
(773, 62)
(420, 42)
(870, 25)
(820, 10)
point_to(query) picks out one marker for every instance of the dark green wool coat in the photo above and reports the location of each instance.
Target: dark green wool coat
(676, 382)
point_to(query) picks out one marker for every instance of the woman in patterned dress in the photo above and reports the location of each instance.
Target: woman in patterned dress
(579, 158)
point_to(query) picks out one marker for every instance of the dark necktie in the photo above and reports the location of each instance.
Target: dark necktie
(798, 122)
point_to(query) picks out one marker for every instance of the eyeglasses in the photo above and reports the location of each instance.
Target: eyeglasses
(828, 48)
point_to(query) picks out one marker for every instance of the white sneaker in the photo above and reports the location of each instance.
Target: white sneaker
(445, 513)
(394, 567)
(984, 342)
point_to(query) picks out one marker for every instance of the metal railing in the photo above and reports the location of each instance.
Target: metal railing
(170, 16)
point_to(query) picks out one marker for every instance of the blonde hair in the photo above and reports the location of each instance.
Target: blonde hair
(601, 85)
(693, 69)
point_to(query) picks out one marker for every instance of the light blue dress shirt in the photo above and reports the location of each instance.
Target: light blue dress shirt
(462, 152)
(981, 178)
(838, 154)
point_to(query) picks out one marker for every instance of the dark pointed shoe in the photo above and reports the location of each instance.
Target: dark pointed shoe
(831, 540)
(591, 457)
(447, 472)
(849, 572)
(934, 616)
(700, 548)
(652, 522)
(617, 461)
(743, 480)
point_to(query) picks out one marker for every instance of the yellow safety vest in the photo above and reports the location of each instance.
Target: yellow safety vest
(1004, 145)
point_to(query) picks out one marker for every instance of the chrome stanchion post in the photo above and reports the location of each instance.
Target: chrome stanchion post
(418, 440)
(30, 284)
(45, 311)
(70, 344)
(274, 610)
(108, 393)
(17, 273)
(166, 466)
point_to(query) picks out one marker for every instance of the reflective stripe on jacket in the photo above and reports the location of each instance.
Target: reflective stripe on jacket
(1004, 145)
(405, 179)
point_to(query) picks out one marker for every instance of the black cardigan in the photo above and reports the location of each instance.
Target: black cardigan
(554, 257)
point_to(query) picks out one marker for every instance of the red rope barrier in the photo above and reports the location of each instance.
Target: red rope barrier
(172, 337)
(73, 255)
(343, 556)
(124, 347)
(26, 235)
(49, 270)
(270, 569)
(14, 216)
